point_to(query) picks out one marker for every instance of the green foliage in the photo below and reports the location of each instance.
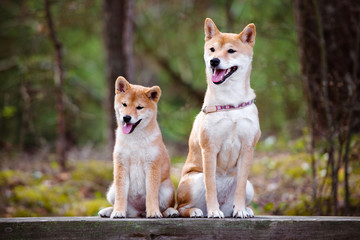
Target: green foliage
(87, 207)
(27, 106)
(283, 181)
(51, 193)
(43, 198)
(168, 31)
(10, 177)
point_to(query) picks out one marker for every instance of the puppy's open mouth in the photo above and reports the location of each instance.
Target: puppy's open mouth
(129, 127)
(220, 75)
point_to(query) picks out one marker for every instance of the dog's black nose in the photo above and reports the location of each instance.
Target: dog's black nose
(214, 62)
(127, 118)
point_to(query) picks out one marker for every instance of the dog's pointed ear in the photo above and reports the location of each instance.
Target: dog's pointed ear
(121, 85)
(210, 29)
(248, 35)
(154, 93)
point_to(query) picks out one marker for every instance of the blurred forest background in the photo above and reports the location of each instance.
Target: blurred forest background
(59, 60)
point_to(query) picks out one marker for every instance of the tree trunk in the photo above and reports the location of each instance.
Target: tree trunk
(59, 95)
(327, 32)
(118, 36)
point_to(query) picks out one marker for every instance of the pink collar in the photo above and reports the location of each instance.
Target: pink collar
(216, 108)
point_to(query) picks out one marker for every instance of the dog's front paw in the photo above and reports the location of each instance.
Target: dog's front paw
(153, 214)
(196, 213)
(216, 213)
(118, 214)
(243, 213)
(170, 213)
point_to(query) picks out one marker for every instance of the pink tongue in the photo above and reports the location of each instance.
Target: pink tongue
(219, 73)
(127, 128)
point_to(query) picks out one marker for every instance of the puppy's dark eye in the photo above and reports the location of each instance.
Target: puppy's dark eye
(212, 49)
(139, 107)
(124, 104)
(231, 50)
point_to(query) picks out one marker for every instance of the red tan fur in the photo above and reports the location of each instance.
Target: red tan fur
(221, 144)
(142, 184)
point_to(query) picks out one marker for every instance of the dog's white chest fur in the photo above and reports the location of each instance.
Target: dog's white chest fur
(231, 131)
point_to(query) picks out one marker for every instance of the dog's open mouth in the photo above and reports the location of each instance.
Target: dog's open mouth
(130, 127)
(220, 75)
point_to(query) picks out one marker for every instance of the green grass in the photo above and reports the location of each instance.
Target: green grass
(281, 176)
(52, 193)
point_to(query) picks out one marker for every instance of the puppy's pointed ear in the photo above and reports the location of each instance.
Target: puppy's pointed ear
(154, 93)
(248, 35)
(210, 29)
(121, 85)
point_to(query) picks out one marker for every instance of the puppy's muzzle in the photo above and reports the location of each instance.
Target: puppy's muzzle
(127, 118)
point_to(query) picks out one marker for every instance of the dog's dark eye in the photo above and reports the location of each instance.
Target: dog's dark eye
(212, 49)
(139, 107)
(124, 104)
(231, 50)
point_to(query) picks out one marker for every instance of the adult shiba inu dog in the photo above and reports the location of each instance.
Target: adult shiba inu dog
(142, 184)
(221, 144)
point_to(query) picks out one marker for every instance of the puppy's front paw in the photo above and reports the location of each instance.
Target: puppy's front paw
(118, 214)
(243, 213)
(216, 213)
(153, 214)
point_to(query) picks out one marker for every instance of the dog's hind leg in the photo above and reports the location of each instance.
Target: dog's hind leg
(106, 212)
(170, 213)
(167, 199)
(249, 192)
(191, 196)
(191, 212)
(110, 196)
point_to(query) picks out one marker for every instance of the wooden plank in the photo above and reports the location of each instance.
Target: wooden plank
(261, 227)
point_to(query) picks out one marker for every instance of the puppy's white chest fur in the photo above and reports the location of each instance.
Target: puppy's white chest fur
(136, 157)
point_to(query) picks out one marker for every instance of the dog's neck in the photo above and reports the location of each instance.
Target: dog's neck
(234, 91)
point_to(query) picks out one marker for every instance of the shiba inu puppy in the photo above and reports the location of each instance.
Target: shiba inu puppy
(221, 144)
(142, 184)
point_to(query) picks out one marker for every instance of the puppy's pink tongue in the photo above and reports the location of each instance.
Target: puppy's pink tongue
(218, 75)
(127, 128)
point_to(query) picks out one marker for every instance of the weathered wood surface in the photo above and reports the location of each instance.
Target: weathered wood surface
(261, 227)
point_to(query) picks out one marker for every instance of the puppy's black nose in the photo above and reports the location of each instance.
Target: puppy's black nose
(214, 62)
(127, 118)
